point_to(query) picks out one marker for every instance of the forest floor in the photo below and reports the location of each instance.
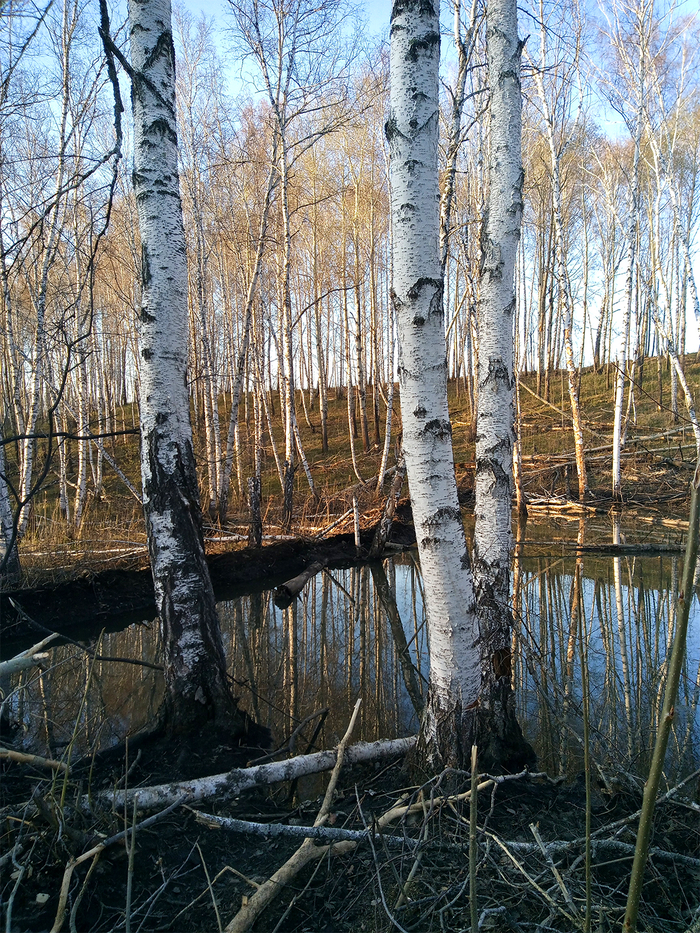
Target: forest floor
(657, 465)
(183, 875)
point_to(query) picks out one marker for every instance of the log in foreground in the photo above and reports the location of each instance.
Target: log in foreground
(232, 783)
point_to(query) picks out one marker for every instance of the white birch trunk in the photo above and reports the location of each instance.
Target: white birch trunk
(83, 430)
(498, 735)
(245, 341)
(563, 273)
(9, 555)
(412, 132)
(633, 222)
(196, 687)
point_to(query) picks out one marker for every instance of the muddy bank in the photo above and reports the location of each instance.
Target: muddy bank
(111, 597)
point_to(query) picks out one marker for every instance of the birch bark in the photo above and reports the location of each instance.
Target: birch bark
(562, 268)
(9, 555)
(412, 133)
(497, 732)
(195, 672)
(453, 718)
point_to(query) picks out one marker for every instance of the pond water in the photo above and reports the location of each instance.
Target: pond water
(360, 631)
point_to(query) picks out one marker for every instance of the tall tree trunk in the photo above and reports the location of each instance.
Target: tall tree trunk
(194, 662)
(9, 555)
(412, 132)
(245, 340)
(496, 731)
(455, 715)
(632, 229)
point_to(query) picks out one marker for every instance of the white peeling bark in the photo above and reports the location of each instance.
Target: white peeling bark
(621, 363)
(233, 783)
(412, 132)
(193, 651)
(9, 555)
(495, 434)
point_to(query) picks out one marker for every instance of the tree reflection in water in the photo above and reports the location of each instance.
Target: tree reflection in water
(359, 631)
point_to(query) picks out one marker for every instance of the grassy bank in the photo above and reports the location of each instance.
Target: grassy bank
(657, 461)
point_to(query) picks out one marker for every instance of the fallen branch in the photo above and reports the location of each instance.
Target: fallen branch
(287, 592)
(34, 760)
(254, 906)
(94, 853)
(25, 659)
(324, 531)
(271, 830)
(234, 782)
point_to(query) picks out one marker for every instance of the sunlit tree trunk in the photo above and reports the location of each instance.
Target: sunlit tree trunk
(412, 132)
(467, 702)
(497, 732)
(9, 555)
(562, 269)
(243, 351)
(194, 663)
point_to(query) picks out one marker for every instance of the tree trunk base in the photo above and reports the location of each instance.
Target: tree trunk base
(448, 733)
(192, 720)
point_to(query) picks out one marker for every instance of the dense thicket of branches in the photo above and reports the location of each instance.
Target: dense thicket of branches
(285, 194)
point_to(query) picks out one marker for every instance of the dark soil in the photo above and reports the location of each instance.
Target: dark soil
(185, 872)
(189, 877)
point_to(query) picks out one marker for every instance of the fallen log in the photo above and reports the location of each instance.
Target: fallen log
(36, 761)
(287, 592)
(30, 658)
(268, 891)
(234, 782)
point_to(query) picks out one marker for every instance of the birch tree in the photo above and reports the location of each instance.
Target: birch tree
(500, 235)
(632, 51)
(453, 718)
(303, 63)
(195, 671)
(564, 74)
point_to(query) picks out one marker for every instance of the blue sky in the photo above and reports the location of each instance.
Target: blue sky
(378, 11)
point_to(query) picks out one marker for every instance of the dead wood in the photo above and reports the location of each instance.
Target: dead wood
(287, 592)
(234, 782)
(252, 909)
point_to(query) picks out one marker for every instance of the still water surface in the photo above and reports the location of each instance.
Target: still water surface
(360, 631)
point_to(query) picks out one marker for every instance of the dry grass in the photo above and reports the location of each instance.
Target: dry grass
(657, 461)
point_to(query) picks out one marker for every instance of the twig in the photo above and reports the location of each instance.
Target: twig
(210, 888)
(130, 871)
(552, 903)
(11, 898)
(291, 741)
(473, 815)
(389, 914)
(226, 869)
(96, 850)
(555, 871)
(83, 889)
(416, 862)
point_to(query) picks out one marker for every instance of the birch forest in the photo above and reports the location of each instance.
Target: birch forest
(284, 181)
